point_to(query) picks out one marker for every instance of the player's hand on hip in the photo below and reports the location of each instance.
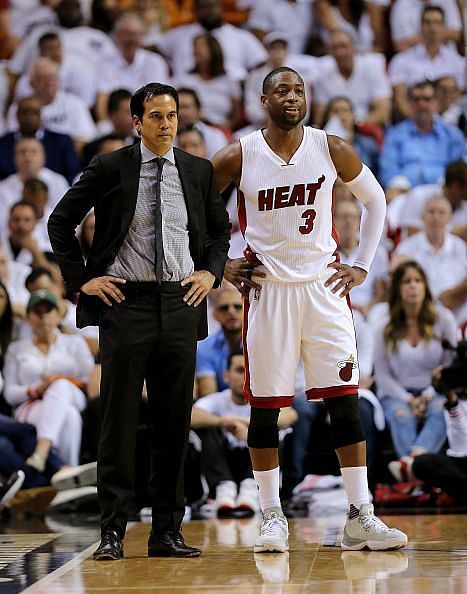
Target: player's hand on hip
(239, 272)
(106, 288)
(202, 282)
(345, 278)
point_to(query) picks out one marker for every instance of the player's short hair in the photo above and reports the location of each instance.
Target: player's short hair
(269, 78)
(139, 98)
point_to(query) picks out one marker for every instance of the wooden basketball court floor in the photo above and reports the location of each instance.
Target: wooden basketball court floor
(434, 562)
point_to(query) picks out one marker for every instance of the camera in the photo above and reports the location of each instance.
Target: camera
(454, 377)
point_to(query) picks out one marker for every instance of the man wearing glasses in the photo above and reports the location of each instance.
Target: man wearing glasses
(213, 352)
(420, 147)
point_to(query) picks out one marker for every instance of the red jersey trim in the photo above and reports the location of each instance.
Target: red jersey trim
(329, 392)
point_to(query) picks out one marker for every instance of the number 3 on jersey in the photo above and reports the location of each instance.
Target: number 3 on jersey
(309, 216)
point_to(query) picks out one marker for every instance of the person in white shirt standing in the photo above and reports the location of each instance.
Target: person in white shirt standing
(294, 307)
(132, 67)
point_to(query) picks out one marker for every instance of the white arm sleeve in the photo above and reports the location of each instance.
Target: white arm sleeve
(368, 191)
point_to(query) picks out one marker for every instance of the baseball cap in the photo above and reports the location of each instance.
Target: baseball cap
(41, 296)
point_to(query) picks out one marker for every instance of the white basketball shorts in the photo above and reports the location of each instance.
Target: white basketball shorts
(285, 321)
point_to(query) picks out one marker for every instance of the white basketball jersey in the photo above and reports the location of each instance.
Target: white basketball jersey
(285, 209)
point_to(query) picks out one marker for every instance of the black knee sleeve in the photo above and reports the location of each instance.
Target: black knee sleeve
(263, 431)
(346, 425)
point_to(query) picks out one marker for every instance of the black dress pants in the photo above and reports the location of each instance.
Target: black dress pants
(150, 336)
(446, 472)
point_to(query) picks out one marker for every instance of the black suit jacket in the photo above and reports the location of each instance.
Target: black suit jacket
(60, 155)
(110, 185)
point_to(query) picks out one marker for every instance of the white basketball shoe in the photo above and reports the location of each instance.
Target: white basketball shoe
(273, 535)
(363, 529)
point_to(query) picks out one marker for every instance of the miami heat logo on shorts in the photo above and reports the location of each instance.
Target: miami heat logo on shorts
(346, 367)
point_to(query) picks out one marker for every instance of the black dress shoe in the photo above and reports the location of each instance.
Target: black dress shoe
(170, 544)
(110, 548)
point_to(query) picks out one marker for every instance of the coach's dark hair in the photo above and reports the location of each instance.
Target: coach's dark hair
(192, 93)
(269, 78)
(115, 98)
(433, 8)
(139, 98)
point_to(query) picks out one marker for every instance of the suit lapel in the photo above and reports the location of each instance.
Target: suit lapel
(130, 166)
(189, 187)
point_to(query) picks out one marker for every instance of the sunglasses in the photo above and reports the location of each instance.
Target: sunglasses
(227, 306)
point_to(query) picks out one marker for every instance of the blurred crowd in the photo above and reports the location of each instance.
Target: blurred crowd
(389, 76)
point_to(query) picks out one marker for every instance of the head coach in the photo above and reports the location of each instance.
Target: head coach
(160, 244)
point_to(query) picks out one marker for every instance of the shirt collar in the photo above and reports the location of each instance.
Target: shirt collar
(437, 125)
(148, 155)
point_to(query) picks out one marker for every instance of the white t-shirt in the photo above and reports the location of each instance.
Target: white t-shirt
(367, 83)
(215, 95)
(66, 114)
(11, 189)
(293, 18)
(22, 21)
(17, 291)
(74, 76)
(414, 65)
(242, 50)
(115, 72)
(414, 203)
(406, 16)
(222, 405)
(90, 45)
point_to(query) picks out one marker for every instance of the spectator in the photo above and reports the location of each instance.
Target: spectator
(455, 192)
(449, 471)
(36, 192)
(18, 442)
(6, 322)
(408, 347)
(79, 41)
(450, 108)
(20, 243)
(421, 146)
(242, 51)
(119, 120)
(191, 140)
(132, 67)
(353, 17)
(13, 275)
(219, 94)
(42, 379)
(427, 60)
(285, 16)
(189, 115)
(443, 255)
(221, 420)
(339, 119)
(30, 161)
(74, 74)
(61, 111)
(347, 223)
(60, 155)
(406, 17)
(361, 78)
(213, 351)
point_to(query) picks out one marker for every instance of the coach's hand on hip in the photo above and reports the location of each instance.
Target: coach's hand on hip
(202, 282)
(103, 287)
(348, 277)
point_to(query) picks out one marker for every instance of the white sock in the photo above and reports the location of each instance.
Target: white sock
(268, 488)
(356, 485)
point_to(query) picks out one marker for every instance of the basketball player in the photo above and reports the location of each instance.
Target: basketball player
(297, 304)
